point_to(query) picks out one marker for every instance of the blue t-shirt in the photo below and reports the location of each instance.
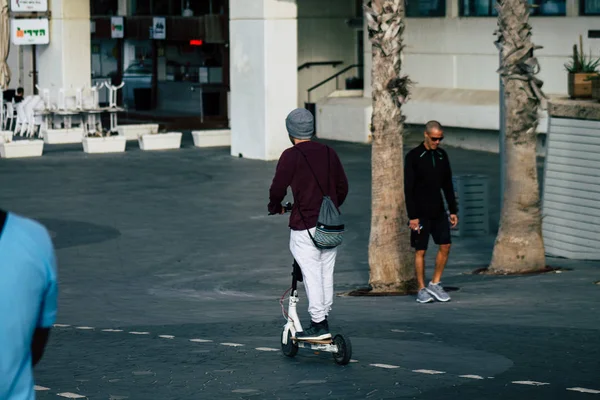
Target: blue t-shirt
(28, 297)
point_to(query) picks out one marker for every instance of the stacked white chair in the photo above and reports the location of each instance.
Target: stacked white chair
(113, 109)
(21, 123)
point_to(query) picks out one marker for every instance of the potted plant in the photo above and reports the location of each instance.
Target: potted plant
(24, 147)
(581, 70)
(134, 131)
(160, 140)
(104, 142)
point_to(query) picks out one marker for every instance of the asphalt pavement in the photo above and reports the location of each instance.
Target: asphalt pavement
(171, 274)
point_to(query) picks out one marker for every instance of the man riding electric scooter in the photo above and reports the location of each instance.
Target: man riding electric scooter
(313, 171)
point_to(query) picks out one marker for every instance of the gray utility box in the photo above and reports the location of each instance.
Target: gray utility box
(571, 210)
(472, 196)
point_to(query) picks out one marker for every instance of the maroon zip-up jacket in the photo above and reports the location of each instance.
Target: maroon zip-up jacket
(293, 170)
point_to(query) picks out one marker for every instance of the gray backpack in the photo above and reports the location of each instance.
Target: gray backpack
(329, 232)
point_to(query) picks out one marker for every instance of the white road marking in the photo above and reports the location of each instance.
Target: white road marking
(40, 388)
(388, 366)
(427, 333)
(398, 331)
(139, 333)
(232, 344)
(85, 328)
(200, 340)
(353, 361)
(428, 371)
(311, 381)
(584, 390)
(471, 376)
(531, 383)
(266, 349)
(166, 336)
(247, 391)
(112, 330)
(61, 325)
(69, 395)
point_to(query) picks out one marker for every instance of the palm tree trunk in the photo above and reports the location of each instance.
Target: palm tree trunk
(519, 245)
(391, 260)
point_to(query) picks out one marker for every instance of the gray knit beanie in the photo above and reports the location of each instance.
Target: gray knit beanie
(300, 124)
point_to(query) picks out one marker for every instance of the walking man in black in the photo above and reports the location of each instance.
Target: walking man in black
(427, 173)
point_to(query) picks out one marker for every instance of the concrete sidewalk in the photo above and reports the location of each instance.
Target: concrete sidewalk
(178, 243)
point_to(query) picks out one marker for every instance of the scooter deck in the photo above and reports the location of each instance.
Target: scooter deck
(323, 341)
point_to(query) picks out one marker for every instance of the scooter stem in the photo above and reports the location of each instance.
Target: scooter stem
(292, 313)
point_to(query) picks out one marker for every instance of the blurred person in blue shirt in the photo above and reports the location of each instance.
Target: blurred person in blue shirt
(28, 302)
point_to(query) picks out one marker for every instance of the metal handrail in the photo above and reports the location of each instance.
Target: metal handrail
(318, 85)
(312, 63)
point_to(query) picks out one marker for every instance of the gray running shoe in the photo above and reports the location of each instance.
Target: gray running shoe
(437, 291)
(424, 297)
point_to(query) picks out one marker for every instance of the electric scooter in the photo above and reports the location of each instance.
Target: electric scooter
(340, 345)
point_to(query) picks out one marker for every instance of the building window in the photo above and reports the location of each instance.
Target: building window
(485, 8)
(589, 7)
(104, 7)
(178, 7)
(426, 8)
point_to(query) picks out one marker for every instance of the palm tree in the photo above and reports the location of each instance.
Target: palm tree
(390, 257)
(519, 245)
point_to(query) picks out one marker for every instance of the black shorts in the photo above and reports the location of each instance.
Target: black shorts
(438, 228)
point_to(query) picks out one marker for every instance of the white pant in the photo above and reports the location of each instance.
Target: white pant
(317, 271)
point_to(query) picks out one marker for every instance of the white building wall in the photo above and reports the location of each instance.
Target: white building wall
(460, 52)
(453, 62)
(324, 35)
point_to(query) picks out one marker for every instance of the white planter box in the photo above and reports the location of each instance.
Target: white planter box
(160, 141)
(6, 136)
(61, 136)
(110, 144)
(22, 148)
(133, 132)
(212, 138)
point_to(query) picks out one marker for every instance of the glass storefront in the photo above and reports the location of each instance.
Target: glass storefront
(184, 74)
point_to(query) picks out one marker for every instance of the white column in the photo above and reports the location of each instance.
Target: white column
(452, 8)
(264, 75)
(66, 61)
(124, 7)
(572, 8)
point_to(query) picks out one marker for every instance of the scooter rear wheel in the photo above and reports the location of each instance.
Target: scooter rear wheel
(291, 348)
(344, 354)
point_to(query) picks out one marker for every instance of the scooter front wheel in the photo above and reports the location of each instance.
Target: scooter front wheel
(344, 353)
(291, 348)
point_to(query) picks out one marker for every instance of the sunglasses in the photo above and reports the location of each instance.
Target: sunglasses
(436, 139)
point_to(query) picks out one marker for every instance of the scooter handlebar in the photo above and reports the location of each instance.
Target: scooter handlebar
(287, 207)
